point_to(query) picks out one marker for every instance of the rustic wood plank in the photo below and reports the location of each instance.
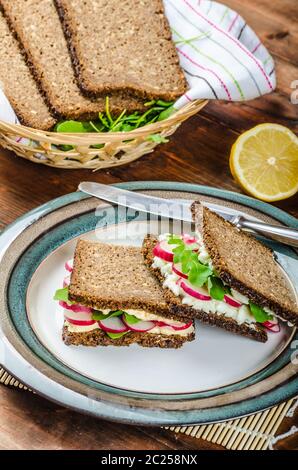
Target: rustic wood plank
(276, 27)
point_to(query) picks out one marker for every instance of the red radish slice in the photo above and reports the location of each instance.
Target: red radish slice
(66, 281)
(188, 239)
(77, 308)
(78, 316)
(198, 292)
(183, 327)
(162, 324)
(80, 322)
(141, 326)
(177, 269)
(69, 265)
(113, 325)
(164, 251)
(274, 327)
(231, 301)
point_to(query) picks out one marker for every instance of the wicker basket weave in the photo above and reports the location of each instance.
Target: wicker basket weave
(118, 148)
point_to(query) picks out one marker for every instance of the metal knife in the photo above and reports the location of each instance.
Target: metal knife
(180, 210)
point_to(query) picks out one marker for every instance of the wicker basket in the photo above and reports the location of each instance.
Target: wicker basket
(118, 148)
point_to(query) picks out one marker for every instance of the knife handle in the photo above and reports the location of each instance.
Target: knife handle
(287, 236)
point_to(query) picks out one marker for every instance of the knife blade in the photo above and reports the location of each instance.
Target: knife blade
(177, 209)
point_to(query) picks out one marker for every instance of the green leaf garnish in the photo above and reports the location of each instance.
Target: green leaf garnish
(98, 315)
(62, 295)
(216, 288)
(71, 127)
(173, 240)
(259, 313)
(198, 274)
(106, 122)
(157, 138)
(166, 113)
(116, 335)
(131, 319)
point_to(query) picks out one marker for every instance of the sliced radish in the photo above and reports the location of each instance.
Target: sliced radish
(188, 239)
(77, 308)
(183, 327)
(272, 326)
(66, 281)
(177, 269)
(231, 301)
(164, 251)
(84, 317)
(198, 292)
(113, 325)
(80, 322)
(141, 326)
(162, 324)
(69, 265)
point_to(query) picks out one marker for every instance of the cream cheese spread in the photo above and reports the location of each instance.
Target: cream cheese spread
(240, 314)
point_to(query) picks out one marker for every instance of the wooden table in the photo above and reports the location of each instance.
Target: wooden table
(198, 153)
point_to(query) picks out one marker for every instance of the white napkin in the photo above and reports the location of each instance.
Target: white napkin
(220, 54)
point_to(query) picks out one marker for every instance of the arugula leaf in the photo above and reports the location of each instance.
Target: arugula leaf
(62, 295)
(216, 288)
(173, 240)
(71, 126)
(178, 252)
(97, 315)
(157, 138)
(166, 113)
(156, 111)
(259, 313)
(116, 335)
(188, 260)
(131, 319)
(198, 274)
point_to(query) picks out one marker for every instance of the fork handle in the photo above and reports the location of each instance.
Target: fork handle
(287, 236)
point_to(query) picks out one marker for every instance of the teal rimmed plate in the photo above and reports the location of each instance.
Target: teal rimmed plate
(217, 377)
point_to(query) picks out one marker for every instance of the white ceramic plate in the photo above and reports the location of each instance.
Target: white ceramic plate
(216, 358)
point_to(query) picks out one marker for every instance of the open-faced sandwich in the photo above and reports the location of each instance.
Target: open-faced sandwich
(221, 276)
(110, 298)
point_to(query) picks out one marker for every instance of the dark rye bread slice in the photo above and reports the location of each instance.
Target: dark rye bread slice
(245, 264)
(132, 48)
(38, 29)
(99, 338)
(178, 308)
(18, 84)
(114, 277)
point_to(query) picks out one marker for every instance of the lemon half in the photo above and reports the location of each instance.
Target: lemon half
(264, 161)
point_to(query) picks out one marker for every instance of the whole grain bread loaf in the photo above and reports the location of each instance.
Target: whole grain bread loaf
(38, 29)
(176, 306)
(18, 84)
(114, 277)
(245, 264)
(122, 45)
(100, 338)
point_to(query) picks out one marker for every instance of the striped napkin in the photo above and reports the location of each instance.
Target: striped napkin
(220, 54)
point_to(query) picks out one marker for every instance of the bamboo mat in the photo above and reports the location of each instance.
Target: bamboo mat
(255, 432)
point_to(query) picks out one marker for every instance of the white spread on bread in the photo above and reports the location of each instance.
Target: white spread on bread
(241, 314)
(157, 330)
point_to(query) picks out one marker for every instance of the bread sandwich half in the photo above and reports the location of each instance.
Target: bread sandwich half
(111, 299)
(221, 276)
